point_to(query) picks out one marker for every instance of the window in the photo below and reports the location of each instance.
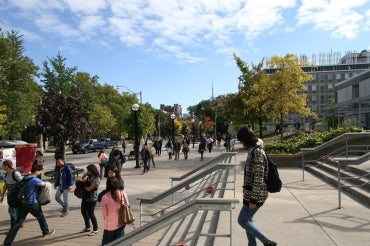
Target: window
(330, 77)
(355, 91)
(322, 78)
(313, 88)
(322, 89)
(313, 78)
(330, 88)
(338, 77)
(313, 99)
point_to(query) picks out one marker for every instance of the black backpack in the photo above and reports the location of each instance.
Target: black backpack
(272, 180)
(17, 196)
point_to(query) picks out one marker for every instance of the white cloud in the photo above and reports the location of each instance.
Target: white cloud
(184, 29)
(339, 17)
(258, 16)
(87, 6)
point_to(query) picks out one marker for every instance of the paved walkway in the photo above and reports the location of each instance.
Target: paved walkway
(303, 213)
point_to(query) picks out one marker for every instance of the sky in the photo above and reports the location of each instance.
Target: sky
(181, 51)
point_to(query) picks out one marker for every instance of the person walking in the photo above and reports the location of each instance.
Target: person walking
(202, 147)
(169, 147)
(90, 199)
(111, 205)
(63, 185)
(145, 156)
(185, 147)
(152, 154)
(123, 145)
(254, 189)
(31, 206)
(12, 177)
(103, 162)
(176, 149)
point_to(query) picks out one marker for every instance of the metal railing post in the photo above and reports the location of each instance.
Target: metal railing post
(339, 188)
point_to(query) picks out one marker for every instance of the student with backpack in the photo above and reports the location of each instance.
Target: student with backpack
(255, 191)
(12, 177)
(30, 205)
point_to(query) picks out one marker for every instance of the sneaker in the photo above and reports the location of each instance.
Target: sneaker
(270, 243)
(85, 230)
(92, 233)
(64, 214)
(50, 232)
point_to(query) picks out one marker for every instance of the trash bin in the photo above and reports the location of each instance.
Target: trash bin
(25, 155)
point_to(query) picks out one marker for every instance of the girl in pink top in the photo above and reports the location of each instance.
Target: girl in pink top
(110, 204)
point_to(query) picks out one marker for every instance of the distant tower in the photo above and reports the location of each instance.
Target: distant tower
(212, 97)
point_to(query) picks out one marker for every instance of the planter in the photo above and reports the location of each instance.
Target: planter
(287, 160)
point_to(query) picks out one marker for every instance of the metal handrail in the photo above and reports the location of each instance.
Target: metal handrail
(221, 204)
(205, 165)
(185, 184)
(344, 150)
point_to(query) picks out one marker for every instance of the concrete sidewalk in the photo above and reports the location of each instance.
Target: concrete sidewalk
(303, 213)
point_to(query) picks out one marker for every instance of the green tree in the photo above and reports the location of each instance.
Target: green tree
(282, 92)
(63, 113)
(19, 92)
(101, 120)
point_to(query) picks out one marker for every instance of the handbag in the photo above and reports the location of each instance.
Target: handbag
(125, 215)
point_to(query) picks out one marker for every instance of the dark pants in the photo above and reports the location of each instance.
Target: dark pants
(110, 236)
(13, 212)
(87, 211)
(36, 211)
(146, 165)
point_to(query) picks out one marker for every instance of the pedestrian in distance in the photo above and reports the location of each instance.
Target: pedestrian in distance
(145, 156)
(185, 147)
(176, 149)
(254, 189)
(103, 162)
(31, 206)
(90, 199)
(169, 148)
(12, 176)
(152, 154)
(63, 185)
(111, 205)
(123, 145)
(202, 147)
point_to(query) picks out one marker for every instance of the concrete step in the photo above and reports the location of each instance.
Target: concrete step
(355, 192)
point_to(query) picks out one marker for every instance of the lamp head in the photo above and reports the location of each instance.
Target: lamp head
(135, 107)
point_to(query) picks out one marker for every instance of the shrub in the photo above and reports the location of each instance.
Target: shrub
(304, 140)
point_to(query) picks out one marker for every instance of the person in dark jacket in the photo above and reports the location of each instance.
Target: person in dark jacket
(254, 189)
(63, 184)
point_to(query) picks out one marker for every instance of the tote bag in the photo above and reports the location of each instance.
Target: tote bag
(125, 215)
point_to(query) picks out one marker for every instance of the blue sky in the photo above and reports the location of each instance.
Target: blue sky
(173, 51)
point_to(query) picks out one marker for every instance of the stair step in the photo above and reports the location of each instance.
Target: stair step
(356, 193)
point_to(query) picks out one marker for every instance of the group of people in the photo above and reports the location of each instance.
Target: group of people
(255, 191)
(174, 147)
(111, 197)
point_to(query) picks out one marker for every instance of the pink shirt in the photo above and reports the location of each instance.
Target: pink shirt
(103, 155)
(111, 209)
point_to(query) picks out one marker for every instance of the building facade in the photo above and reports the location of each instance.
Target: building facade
(328, 71)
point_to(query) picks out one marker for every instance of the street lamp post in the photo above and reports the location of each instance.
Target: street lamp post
(135, 108)
(192, 129)
(200, 130)
(173, 116)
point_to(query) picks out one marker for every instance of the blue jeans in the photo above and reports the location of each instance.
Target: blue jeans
(65, 202)
(110, 236)
(13, 212)
(245, 220)
(36, 211)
